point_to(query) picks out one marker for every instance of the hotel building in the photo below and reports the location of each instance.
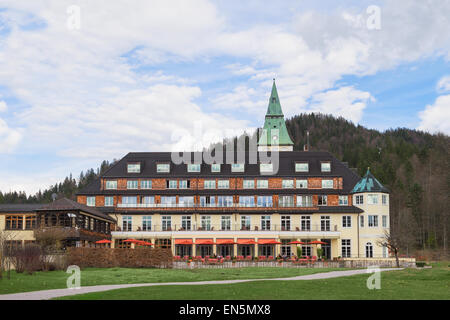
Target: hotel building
(240, 208)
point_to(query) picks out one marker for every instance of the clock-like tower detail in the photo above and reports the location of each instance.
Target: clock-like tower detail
(274, 135)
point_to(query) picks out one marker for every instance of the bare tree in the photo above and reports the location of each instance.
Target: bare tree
(5, 252)
(392, 242)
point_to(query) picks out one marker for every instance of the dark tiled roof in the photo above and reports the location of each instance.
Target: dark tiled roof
(19, 208)
(149, 160)
(369, 184)
(67, 204)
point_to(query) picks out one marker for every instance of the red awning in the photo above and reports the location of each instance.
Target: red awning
(183, 241)
(225, 241)
(204, 241)
(268, 241)
(246, 241)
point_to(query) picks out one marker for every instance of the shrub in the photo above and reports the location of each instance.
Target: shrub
(319, 252)
(124, 258)
(299, 252)
(28, 258)
(421, 264)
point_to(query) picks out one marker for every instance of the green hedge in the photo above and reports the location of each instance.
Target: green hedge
(421, 264)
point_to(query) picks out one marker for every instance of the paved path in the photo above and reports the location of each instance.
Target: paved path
(55, 293)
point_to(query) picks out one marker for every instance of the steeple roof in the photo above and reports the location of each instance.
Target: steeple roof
(274, 126)
(369, 184)
(274, 108)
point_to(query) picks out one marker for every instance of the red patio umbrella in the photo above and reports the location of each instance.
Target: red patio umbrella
(131, 240)
(296, 242)
(144, 243)
(103, 241)
(316, 242)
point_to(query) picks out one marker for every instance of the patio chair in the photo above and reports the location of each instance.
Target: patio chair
(261, 258)
(248, 258)
(186, 257)
(228, 258)
(240, 257)
(270, 258)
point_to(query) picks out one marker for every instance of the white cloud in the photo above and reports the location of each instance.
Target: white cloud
(241, 97)
(85, 99)
(443, 84)
(436, 117)
(3, 106)
(9, 138)
(346, 102)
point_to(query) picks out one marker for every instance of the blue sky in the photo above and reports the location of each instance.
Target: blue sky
(83, 81)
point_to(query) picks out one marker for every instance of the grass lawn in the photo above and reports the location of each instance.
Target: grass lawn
(20, 282)
(405, 284)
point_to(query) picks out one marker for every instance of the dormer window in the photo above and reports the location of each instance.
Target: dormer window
(237, 167)
(133, 167)
(266, 167)
(162, 167)
(325, 166)
(193, 167)
(301, 167)
(215, 167)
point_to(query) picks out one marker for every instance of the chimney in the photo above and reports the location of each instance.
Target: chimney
(306, 146)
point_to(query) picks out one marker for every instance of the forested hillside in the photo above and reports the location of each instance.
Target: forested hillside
(414, 165)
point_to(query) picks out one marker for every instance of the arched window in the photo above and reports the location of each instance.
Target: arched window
(369, 250)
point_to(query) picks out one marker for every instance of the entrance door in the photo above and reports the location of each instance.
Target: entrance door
(183, 250)
(266, 250)
(205, 250)
(245, 250)
(326, 248)
(225, 250)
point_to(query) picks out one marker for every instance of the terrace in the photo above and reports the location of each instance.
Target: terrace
(233, 227)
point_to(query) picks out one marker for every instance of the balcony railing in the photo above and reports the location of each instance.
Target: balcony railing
(208, 205)
(225, 227)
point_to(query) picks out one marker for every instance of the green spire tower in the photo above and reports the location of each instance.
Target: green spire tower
(274, 135)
